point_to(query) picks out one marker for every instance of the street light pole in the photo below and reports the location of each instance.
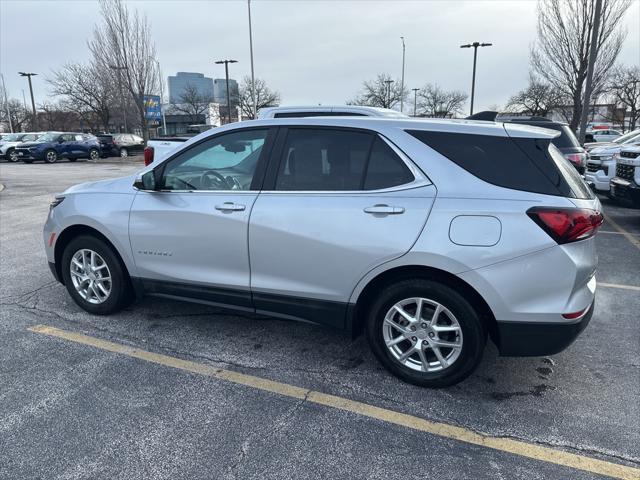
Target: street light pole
(33, 103)
(475, 46)
(164, 119)
(388, 82)
(226, 73)
(402, 78)
(415, 100)
(253, 78)
(118, 68)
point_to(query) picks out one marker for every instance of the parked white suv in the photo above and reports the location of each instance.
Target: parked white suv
(601, 164)
(429, 235)
(9, 143)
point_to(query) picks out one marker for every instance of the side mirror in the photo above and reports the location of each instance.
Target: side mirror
(145, 182)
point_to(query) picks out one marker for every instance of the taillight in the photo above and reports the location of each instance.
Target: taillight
(567, 225)
(578, 159)
(148, 155)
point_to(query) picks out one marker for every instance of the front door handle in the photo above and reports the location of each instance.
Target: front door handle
(382, 209)
(230, 207)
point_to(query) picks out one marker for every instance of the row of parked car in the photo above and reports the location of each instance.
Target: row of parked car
(50, 147)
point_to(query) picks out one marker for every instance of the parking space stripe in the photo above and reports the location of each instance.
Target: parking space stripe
(516, 447)
(617, 285)
(634, 241)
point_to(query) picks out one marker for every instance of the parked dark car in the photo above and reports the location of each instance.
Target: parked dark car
(567, 142)
(120, 144)
(53, 146)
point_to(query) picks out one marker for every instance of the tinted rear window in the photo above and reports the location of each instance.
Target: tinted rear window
(525, 164)
(566, 139)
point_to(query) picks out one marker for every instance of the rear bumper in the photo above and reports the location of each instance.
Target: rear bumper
(625, 191)
(520, 339)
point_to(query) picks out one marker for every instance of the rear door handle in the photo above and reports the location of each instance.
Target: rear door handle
(230, 207)
(384, 210)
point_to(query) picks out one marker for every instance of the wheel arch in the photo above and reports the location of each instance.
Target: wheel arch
(358, 316)
(73, 231)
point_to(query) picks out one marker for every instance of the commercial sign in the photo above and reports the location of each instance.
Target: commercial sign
(152, 107)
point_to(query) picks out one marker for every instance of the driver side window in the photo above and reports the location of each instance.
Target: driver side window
(227, 162)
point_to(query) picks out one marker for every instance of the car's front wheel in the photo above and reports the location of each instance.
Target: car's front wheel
(12, 155)
(124, 152)
(51, 156)
(94, 276)
(426, 333)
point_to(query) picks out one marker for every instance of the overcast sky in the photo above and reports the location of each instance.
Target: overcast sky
(310, 51)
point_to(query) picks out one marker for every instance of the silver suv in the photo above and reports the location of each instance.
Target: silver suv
(429, 236)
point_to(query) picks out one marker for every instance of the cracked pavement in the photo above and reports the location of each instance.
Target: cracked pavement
(68, 411)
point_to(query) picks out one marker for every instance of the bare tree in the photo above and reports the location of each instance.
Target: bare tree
(436, 102)
(20, 116)
(561, 53)
(192, 103)
(382, 92)
(537, 99)
(624, 90)
(88, 88)
(265, 97)
(123, 39)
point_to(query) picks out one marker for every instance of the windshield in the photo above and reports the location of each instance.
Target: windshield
(48, 137)
(627, 137)
(14, 137)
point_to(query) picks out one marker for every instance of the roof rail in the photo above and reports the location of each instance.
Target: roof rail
(514, 118)
(487, 115)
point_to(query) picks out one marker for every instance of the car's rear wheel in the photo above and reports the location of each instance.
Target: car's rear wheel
(426, 333)
(94, 154)
(12, 155)
(94, 276)
(51, 156)
(124, 152)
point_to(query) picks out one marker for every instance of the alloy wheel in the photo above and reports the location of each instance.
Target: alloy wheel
(13, 156)
(90, 276)
(94, 154)
(124, 153)
(422, 334)
(51, 156)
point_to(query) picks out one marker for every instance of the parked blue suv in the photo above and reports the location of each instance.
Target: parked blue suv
(55, 145)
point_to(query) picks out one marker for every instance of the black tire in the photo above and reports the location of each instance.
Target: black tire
(121, 292)
(50, 156)
(12, 156)
(473, 332)
(124, 153)
(94, 154)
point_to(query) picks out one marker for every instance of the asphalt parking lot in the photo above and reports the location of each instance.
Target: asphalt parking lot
(174, 390)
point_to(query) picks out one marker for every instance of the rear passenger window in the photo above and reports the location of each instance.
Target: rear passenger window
(338, 160)
(385, 169)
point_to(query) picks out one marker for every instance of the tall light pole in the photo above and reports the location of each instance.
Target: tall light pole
(226, 73)
(402, 78)
(253, 78)
(388, 82)
(33, 103)
(6, 103)
(164, 119)
(593, 53)
(415, 100)
(475, 46)
(119, 68)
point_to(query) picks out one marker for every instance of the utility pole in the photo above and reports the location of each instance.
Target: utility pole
(118, 68)
(388, 82)
(164, 119)
(593, 55)
(226, 73)
(6, 103)
(33, 103)
(402, 78)
(475, 46)
(415, 100)
(253, 78)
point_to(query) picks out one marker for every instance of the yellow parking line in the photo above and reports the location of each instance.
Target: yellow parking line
(524, 449)
(617, 285)
(634, 241)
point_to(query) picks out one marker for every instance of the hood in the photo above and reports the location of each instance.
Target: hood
(113, 185)
(605, 150)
